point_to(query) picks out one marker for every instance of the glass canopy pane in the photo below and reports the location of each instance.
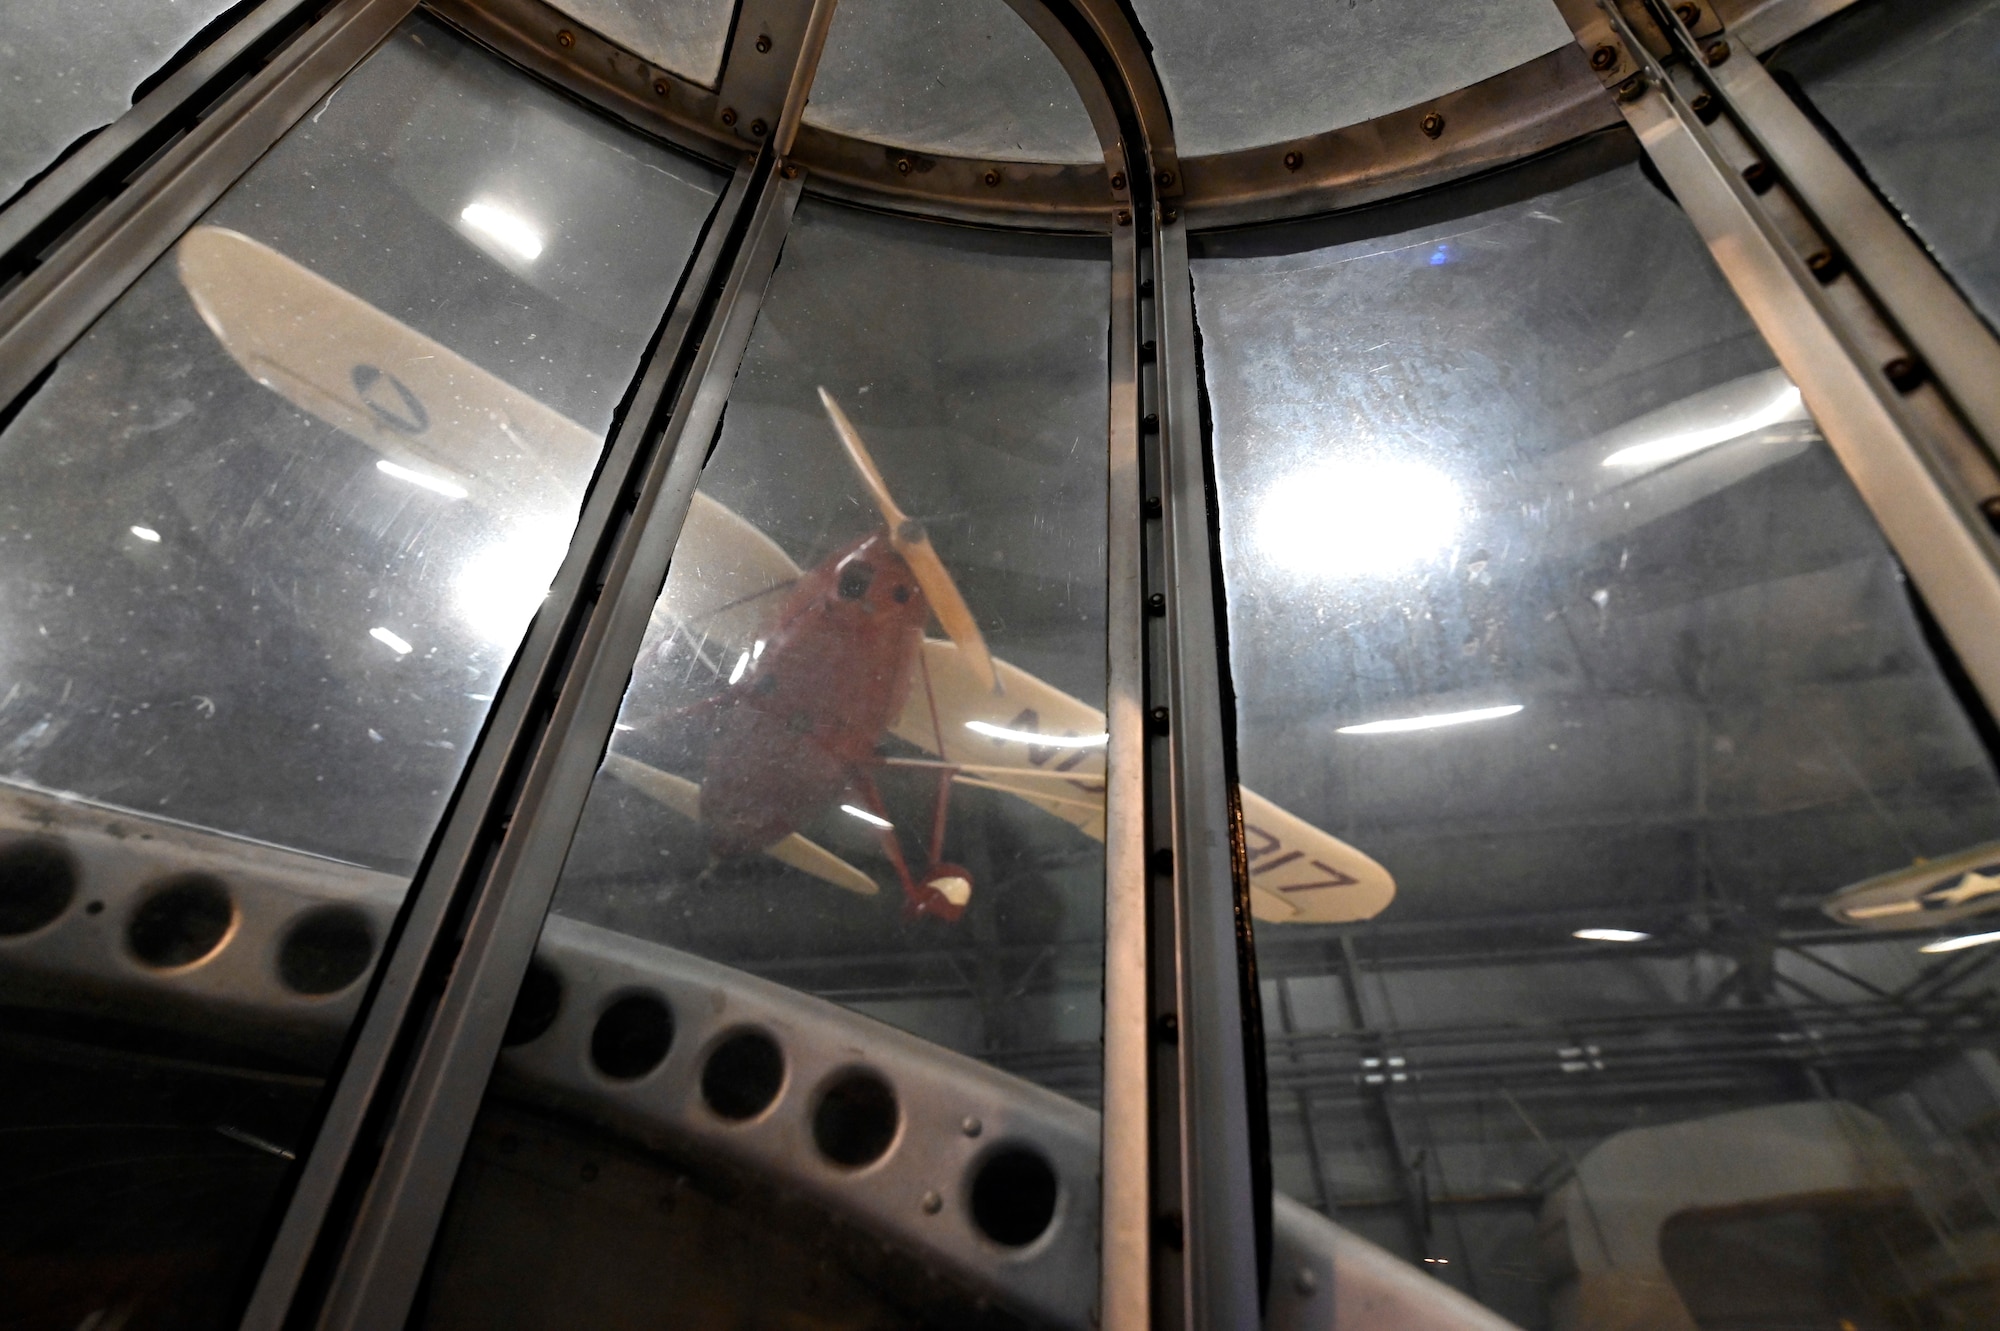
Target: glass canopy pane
(1547, 600)
(69, 67)
(1910, 91)
(965, 78)
(815, 805)
(1271, 70)
(270, 534)
(688, 37)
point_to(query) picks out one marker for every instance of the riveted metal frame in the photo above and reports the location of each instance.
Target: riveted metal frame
(1852, 310)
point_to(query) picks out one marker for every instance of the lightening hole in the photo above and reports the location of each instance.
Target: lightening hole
(536, 1006)
(1014, 1196)
(856, 1120)
(327, 950)
(743, 1076)
(632, 1037)
(184, 920)
(37, 883)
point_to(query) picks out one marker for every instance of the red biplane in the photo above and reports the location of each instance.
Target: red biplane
(778, 745)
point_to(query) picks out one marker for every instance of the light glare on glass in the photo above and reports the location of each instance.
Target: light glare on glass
(1674, 447)
(992, 731)
(1432, 722)
(505, 227)
(395, 642)
(1359, 517)
(1959, 943)
(1611, 935)
(436, 484)
(146, 533)
(498, 590)
(873, 820)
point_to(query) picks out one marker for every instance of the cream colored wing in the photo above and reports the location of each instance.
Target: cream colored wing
(1041, 745)
(684, 798)
(423, 407)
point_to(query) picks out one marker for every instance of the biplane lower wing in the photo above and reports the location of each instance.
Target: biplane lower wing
(425, 408)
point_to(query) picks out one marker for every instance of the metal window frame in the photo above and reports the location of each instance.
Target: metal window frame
(1900, 374)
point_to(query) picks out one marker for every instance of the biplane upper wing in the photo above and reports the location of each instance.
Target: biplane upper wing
(431, 411)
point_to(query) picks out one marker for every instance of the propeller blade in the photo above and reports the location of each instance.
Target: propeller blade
(913, 543)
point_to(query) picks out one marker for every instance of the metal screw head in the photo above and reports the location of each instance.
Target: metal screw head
(1905, 373)
(904, 166)
(790, 170)
(1152, 507)
(1704, 108)
(728, 115)
(1823, 264)
(1150, 424)
(1603, 58)
(660, 87)
(1124, 217)
(1716, 54)
(1170, 215)
(992, 179)
(1689, 14)
(1165, 178)
(972, 1127)
(1759, 176)
(1156, 605)
(1118, 181)
(1433, 125)
(1159, 719)
(1632, 89)
(1170, 1028)
(1305, 1282)
(763, 43)
(757, 129)
(1149, 350)
(932, 1203)
(1294, 160)
(565, 38)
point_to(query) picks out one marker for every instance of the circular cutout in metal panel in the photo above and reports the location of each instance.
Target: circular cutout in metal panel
(856, 1120)
(326, 950)
(743, 1075)
(632, 1036)
(184, 921)
(536, 1006)
(37, 882)
(1014, 1196)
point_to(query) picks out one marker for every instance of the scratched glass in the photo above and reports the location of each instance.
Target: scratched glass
(70, 67)
(1284, 69)
(1547, 600)
(270, 533)
(814, 783)
(1909, 91)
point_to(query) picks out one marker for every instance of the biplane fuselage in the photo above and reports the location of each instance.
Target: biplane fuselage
(797, 728)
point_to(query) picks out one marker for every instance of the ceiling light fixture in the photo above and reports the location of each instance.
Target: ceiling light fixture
(395, 642)
(873, 820)
(1432, 722)
(507, 228)
(1672, 448)
(1611, 935)
(992, 731)
(1959, 943)
(435, 484)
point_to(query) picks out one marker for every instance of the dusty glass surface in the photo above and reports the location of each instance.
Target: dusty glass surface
(777, 799)
(270, 533)
(1547, 601)
(688, 37)
(1909, 90)
(962, 77)
(69, 67)
(1270, 70)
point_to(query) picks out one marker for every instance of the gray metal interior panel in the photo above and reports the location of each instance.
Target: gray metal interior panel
(685, 36)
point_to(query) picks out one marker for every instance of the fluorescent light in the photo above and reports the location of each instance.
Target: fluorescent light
(1039, 741)
(742, 664)
(146, 534)
(1673, 447)
(1357, 517)
(394, 642)
(1960, 942)
(509, 229)
(872, 820)
(1431, 722)
(1611, 935)
(436, 484)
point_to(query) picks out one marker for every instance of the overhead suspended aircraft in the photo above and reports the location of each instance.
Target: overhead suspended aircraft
(778, 745)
